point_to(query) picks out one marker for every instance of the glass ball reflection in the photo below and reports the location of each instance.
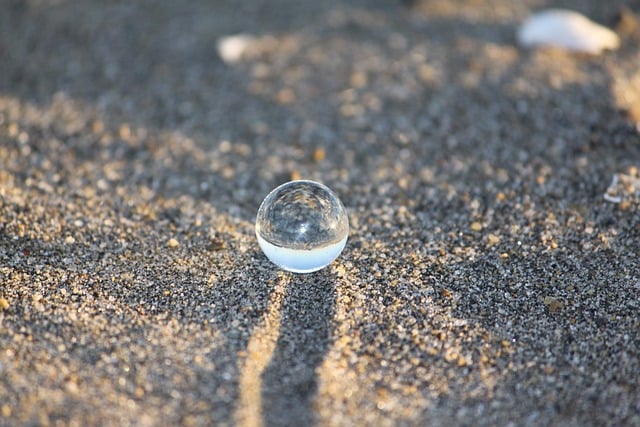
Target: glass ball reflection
(302, 226)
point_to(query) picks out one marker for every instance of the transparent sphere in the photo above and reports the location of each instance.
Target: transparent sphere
(302, 226)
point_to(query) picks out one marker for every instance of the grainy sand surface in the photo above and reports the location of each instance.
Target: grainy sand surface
(486, 281)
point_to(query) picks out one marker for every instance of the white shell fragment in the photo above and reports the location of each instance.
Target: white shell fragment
(231, 48)
(623, 187)
(568, 30)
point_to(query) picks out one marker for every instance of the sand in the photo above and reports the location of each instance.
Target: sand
(486, 280)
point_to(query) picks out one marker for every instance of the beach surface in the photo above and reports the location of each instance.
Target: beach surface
(491, 276)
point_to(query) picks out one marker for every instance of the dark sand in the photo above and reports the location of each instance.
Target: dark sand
(486, 281)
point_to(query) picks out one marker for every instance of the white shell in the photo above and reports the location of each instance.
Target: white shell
(568, 30)
(231, 48)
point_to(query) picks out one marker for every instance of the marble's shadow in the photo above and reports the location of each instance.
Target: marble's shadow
(289, 382)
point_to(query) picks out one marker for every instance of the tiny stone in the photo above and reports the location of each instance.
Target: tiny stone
(97, 126)
(358, 79)
(6, 411)
(102, 184)
(12, 130)
(554, 305)
(285, 96)
(125, 132)
(217, 244)
(476, 226)
(173, 243)
(462, 361)
(319, 154)
(451, 356)
(493, 239)
(4, 304)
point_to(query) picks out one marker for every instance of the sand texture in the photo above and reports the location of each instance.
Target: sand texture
(486, 281)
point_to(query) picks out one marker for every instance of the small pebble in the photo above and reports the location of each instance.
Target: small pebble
(554, 305)
(492, 239)
(319, 154)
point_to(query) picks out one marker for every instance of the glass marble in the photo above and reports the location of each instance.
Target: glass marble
(302, 226)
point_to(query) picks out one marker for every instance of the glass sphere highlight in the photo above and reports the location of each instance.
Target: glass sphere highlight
(302, 226)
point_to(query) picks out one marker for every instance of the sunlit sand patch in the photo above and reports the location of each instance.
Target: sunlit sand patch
(259, 351)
